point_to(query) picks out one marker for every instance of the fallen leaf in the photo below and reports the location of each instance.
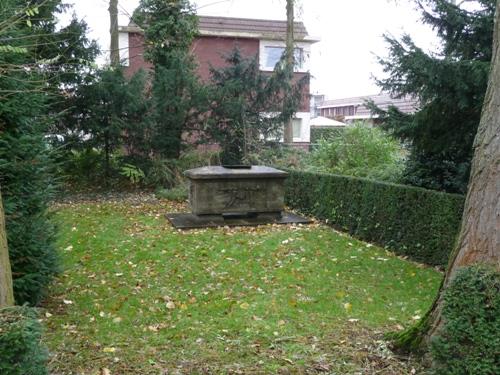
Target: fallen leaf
(244, 306)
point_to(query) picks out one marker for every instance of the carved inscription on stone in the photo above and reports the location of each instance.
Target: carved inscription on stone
(235, 197)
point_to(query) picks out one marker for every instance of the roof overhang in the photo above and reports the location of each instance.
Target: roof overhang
(229, 34)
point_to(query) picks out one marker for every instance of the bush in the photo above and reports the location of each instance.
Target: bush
(20, 350)
(469, 341)
(324, 133)
(27, 189)
(360, 151)
(177, 194)
(195, 158)
(280, 156)
(169, 173)
(414, 222)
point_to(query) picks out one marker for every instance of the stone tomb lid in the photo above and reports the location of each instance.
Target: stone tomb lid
(219, 172)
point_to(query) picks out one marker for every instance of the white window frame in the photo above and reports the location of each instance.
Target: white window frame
(306, 54)
(123, 46)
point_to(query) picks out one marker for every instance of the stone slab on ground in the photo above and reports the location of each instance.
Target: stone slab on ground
(191, 221)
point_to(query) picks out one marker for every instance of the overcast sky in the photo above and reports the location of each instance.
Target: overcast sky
(343, 63)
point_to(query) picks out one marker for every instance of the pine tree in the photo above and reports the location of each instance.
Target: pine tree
(478, 241)
(242, 97)
(109, 110)
(450, 86)
(37, 61)
(169, 29)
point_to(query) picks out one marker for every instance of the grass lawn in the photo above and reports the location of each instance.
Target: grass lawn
(138, 297)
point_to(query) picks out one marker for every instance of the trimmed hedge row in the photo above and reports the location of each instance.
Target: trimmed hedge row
(21, 351)
(414, 222)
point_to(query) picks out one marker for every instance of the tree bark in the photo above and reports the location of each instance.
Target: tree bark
(479, 238)
(289, 53)
(6, 292)
(113, 31)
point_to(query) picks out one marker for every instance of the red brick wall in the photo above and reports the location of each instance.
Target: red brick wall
(211, 51)
(208, 51)
(136, 54)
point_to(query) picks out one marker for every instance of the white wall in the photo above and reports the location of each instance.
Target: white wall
(305, 133)
(123, 47)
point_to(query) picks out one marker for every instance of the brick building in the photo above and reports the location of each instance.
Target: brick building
(218, 36)
(353, 109)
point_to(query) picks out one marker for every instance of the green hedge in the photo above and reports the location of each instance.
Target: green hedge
(469, 341)
(21, 352)
(324, 133)
(418, 223)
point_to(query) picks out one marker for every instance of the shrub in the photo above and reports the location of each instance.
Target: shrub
(163, 173)
(20, 350)
(324, 133)
(196, 158)
(27, 188)
(280, 156)
(177, 194)
(469, 341)
(411, 221)
(360, 151)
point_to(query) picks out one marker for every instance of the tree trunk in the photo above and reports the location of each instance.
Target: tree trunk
(107, 152)
(113, 31)
(6, 292)
(478, 241)
(289, 53)
(479, 238)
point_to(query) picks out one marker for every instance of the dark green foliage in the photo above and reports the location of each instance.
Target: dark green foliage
(177, 100)
(469, 341)
(450, 86)
(325, 133)
(27, 188)
(281, 156)
(177, 97)
(239, 94)
(45, 61)
(21, 351)
(110, 111)
(414, 222)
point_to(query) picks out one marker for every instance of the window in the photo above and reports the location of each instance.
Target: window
(297, 127)
(273, 56)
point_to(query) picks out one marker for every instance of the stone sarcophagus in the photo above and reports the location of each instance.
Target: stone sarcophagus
(217, 190)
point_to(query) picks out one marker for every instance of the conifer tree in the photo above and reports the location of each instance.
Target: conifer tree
(37, 62)
(247, 107)
(169, 29)
(450, 86)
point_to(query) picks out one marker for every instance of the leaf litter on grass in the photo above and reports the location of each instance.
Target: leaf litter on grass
(148, 299)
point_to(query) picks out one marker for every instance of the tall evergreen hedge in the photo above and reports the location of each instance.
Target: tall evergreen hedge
(418, 223)
(27, 188)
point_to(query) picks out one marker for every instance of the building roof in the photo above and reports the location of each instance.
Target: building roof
(321, 121)
(241, 27)
(405, 104)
